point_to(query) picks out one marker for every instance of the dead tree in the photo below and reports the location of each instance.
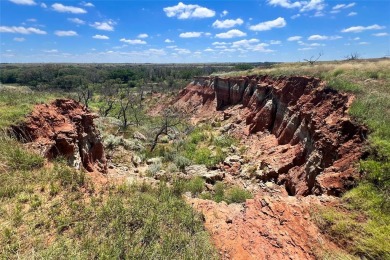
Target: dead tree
(130, 109)
(125, 99)
(84, 94)
(108, 95)
(170, 119)
(313, 60)
(353, 56)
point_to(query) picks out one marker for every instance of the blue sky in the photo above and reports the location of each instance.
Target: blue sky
(191, 31)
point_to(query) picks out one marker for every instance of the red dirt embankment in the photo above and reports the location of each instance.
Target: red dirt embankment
(64, 128)
(299, 136)
(304, 137)
(273, 225)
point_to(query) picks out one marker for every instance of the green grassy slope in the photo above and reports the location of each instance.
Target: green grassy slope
(55, 212)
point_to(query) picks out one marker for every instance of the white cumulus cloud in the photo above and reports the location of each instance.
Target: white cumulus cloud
(227, 23)
(104, 26)
(231, 34)
(219, 43)
(285, 3)
(352, 14)
(21, 30)
(317, 37)
(76, 20)
(357, 29)
(303, 6)
(65, 33)
(68, 9)
(295, 16)
(182, 51)
(316, 5)
(275, 42)
(343, 6)
(183, 11)
(23, 2)
(191, 34)
(305, 49)
(294, 38)
(101, 37)
(142, 35)
(87, 4)
(244, 43)
(224, 13)
(43, 5)
(169, 41)
(268, 25)
(51, 51)
(381, 34)
(133, 42)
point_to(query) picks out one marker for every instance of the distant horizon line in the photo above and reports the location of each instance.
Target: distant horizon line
(189, 63)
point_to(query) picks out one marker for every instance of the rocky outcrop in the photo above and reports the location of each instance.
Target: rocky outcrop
(317, 145)
(64, 128)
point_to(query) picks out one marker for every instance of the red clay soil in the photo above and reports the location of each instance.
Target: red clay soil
(270, 226)
(64, 128)
(296, 128)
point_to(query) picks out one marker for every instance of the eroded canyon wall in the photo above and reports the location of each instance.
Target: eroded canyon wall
(305, 116)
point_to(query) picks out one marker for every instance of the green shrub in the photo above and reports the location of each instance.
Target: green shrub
(132, 145)
(178, 186)
(181, 162)
(195, 185)
(373, 74)
(172, 168)
(111, 141)
(229, 195)
(202, 156)
(219, 190)
(338, 72)
(237, 195)
(154, 168)
(224, 141)
(197, 136)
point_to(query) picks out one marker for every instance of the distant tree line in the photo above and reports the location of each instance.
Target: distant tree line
(68, 77)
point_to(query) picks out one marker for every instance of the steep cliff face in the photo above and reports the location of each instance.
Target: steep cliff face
(64, 128)
(318, 145)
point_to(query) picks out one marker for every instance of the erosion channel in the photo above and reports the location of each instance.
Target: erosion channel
(304, 148)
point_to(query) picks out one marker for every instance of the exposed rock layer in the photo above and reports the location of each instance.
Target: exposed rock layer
(318, 145)
(65, 128)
